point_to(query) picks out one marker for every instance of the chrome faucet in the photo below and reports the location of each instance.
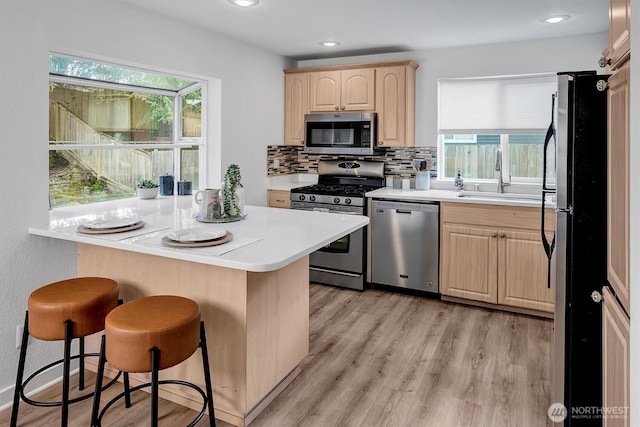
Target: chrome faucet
(501, 184)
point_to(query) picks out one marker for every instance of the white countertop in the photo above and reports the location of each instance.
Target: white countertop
(450, 196)
(289, 182)
(272, 237)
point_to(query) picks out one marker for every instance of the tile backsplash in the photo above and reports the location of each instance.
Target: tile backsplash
(289, 159)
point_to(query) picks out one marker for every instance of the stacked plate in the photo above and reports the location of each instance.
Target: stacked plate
(112, 225)
(196, 237)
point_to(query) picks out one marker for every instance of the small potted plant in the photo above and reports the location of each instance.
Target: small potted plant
(233, 192)
(147, 189)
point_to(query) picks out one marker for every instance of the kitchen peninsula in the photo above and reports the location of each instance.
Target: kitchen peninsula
(254, 299)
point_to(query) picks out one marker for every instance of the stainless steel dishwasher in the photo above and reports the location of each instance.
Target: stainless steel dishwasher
(405, 244)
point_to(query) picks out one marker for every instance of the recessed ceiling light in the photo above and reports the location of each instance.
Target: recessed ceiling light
(329, 43)
(556, 19)
(245, 3)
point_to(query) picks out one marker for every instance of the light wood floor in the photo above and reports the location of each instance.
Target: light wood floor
(387, 359)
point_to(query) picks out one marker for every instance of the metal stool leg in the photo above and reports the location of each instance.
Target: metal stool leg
(127, 391)
(155, 356)
(97, 393)
(20, 375)
(207, 375)
(81, 366)
(66, 369)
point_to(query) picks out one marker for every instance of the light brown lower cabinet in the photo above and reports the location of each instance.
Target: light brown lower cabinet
(279, 199)
(615, 362)
(494, 254)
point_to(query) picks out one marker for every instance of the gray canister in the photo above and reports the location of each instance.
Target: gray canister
(166, 185)
(184, 188)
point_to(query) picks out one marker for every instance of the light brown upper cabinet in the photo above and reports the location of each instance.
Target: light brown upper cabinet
(395, 105)
(619, 24)
(494, 255)
(296, 105)
(342, 90)
(618, 209)
(388, 88)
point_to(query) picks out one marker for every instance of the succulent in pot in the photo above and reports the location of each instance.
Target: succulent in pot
(233, 192)
(146, 188)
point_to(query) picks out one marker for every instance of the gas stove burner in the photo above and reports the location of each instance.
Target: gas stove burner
(335, 190)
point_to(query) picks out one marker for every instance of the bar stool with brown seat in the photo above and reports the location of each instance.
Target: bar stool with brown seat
(64, 310)
(148, 335)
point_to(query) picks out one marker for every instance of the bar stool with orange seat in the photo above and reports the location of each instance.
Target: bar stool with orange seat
(64, 310)
(150, 334)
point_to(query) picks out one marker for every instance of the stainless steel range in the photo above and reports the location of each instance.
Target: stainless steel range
(341, 188)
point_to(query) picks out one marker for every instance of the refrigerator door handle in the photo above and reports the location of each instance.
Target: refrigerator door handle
(551, 133)
(548, 246)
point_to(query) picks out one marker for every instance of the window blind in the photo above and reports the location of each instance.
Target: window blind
(496, 105)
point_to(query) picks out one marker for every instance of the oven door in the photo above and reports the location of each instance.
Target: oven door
(344, 255)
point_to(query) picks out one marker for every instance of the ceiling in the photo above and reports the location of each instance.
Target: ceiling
(293, 28)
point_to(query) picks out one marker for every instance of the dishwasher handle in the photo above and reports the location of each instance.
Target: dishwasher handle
(405, 207)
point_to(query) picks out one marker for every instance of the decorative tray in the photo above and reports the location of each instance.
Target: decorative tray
(201, 218)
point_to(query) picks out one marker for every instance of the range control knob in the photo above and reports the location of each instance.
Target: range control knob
(301, 197)
(312, 198)
(347, 201)
(336, 200)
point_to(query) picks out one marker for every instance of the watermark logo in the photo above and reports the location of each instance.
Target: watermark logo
(557, 412)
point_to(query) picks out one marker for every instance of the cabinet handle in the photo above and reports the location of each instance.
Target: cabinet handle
(342, 108)
(280, 200)
(380, 143)
(501, 235)
(604, 61)
(494, 235)
(337, 108)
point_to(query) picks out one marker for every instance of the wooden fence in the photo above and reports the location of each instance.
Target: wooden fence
(479, 160)
(117, 167)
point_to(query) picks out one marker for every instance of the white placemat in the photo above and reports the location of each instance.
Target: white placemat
(148, 228)
(235, 243)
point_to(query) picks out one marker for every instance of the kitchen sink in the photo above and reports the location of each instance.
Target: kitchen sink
(491, 195)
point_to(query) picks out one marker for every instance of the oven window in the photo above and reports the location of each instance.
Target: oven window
(340, 246)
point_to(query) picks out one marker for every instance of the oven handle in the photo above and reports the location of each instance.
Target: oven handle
(343, 273)
(334, 211)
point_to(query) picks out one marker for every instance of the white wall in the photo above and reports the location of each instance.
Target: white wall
(541, 56)
(250, 81)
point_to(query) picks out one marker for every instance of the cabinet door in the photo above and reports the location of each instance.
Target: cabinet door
(619, 24)
(618, 185)
(279, 199)
(615, 361)
(469, 260)
(296, 105)
(324, 90)
(391, 106)
(522, 271)
(357, 90)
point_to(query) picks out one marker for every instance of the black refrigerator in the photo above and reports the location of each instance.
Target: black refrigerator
(576, 171)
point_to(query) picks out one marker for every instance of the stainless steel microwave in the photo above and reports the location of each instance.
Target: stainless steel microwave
(340, 133)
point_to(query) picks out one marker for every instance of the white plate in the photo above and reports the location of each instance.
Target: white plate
(103, 224)
(195, 235)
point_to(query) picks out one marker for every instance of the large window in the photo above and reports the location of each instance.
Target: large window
(109, 125)
(478, 117)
